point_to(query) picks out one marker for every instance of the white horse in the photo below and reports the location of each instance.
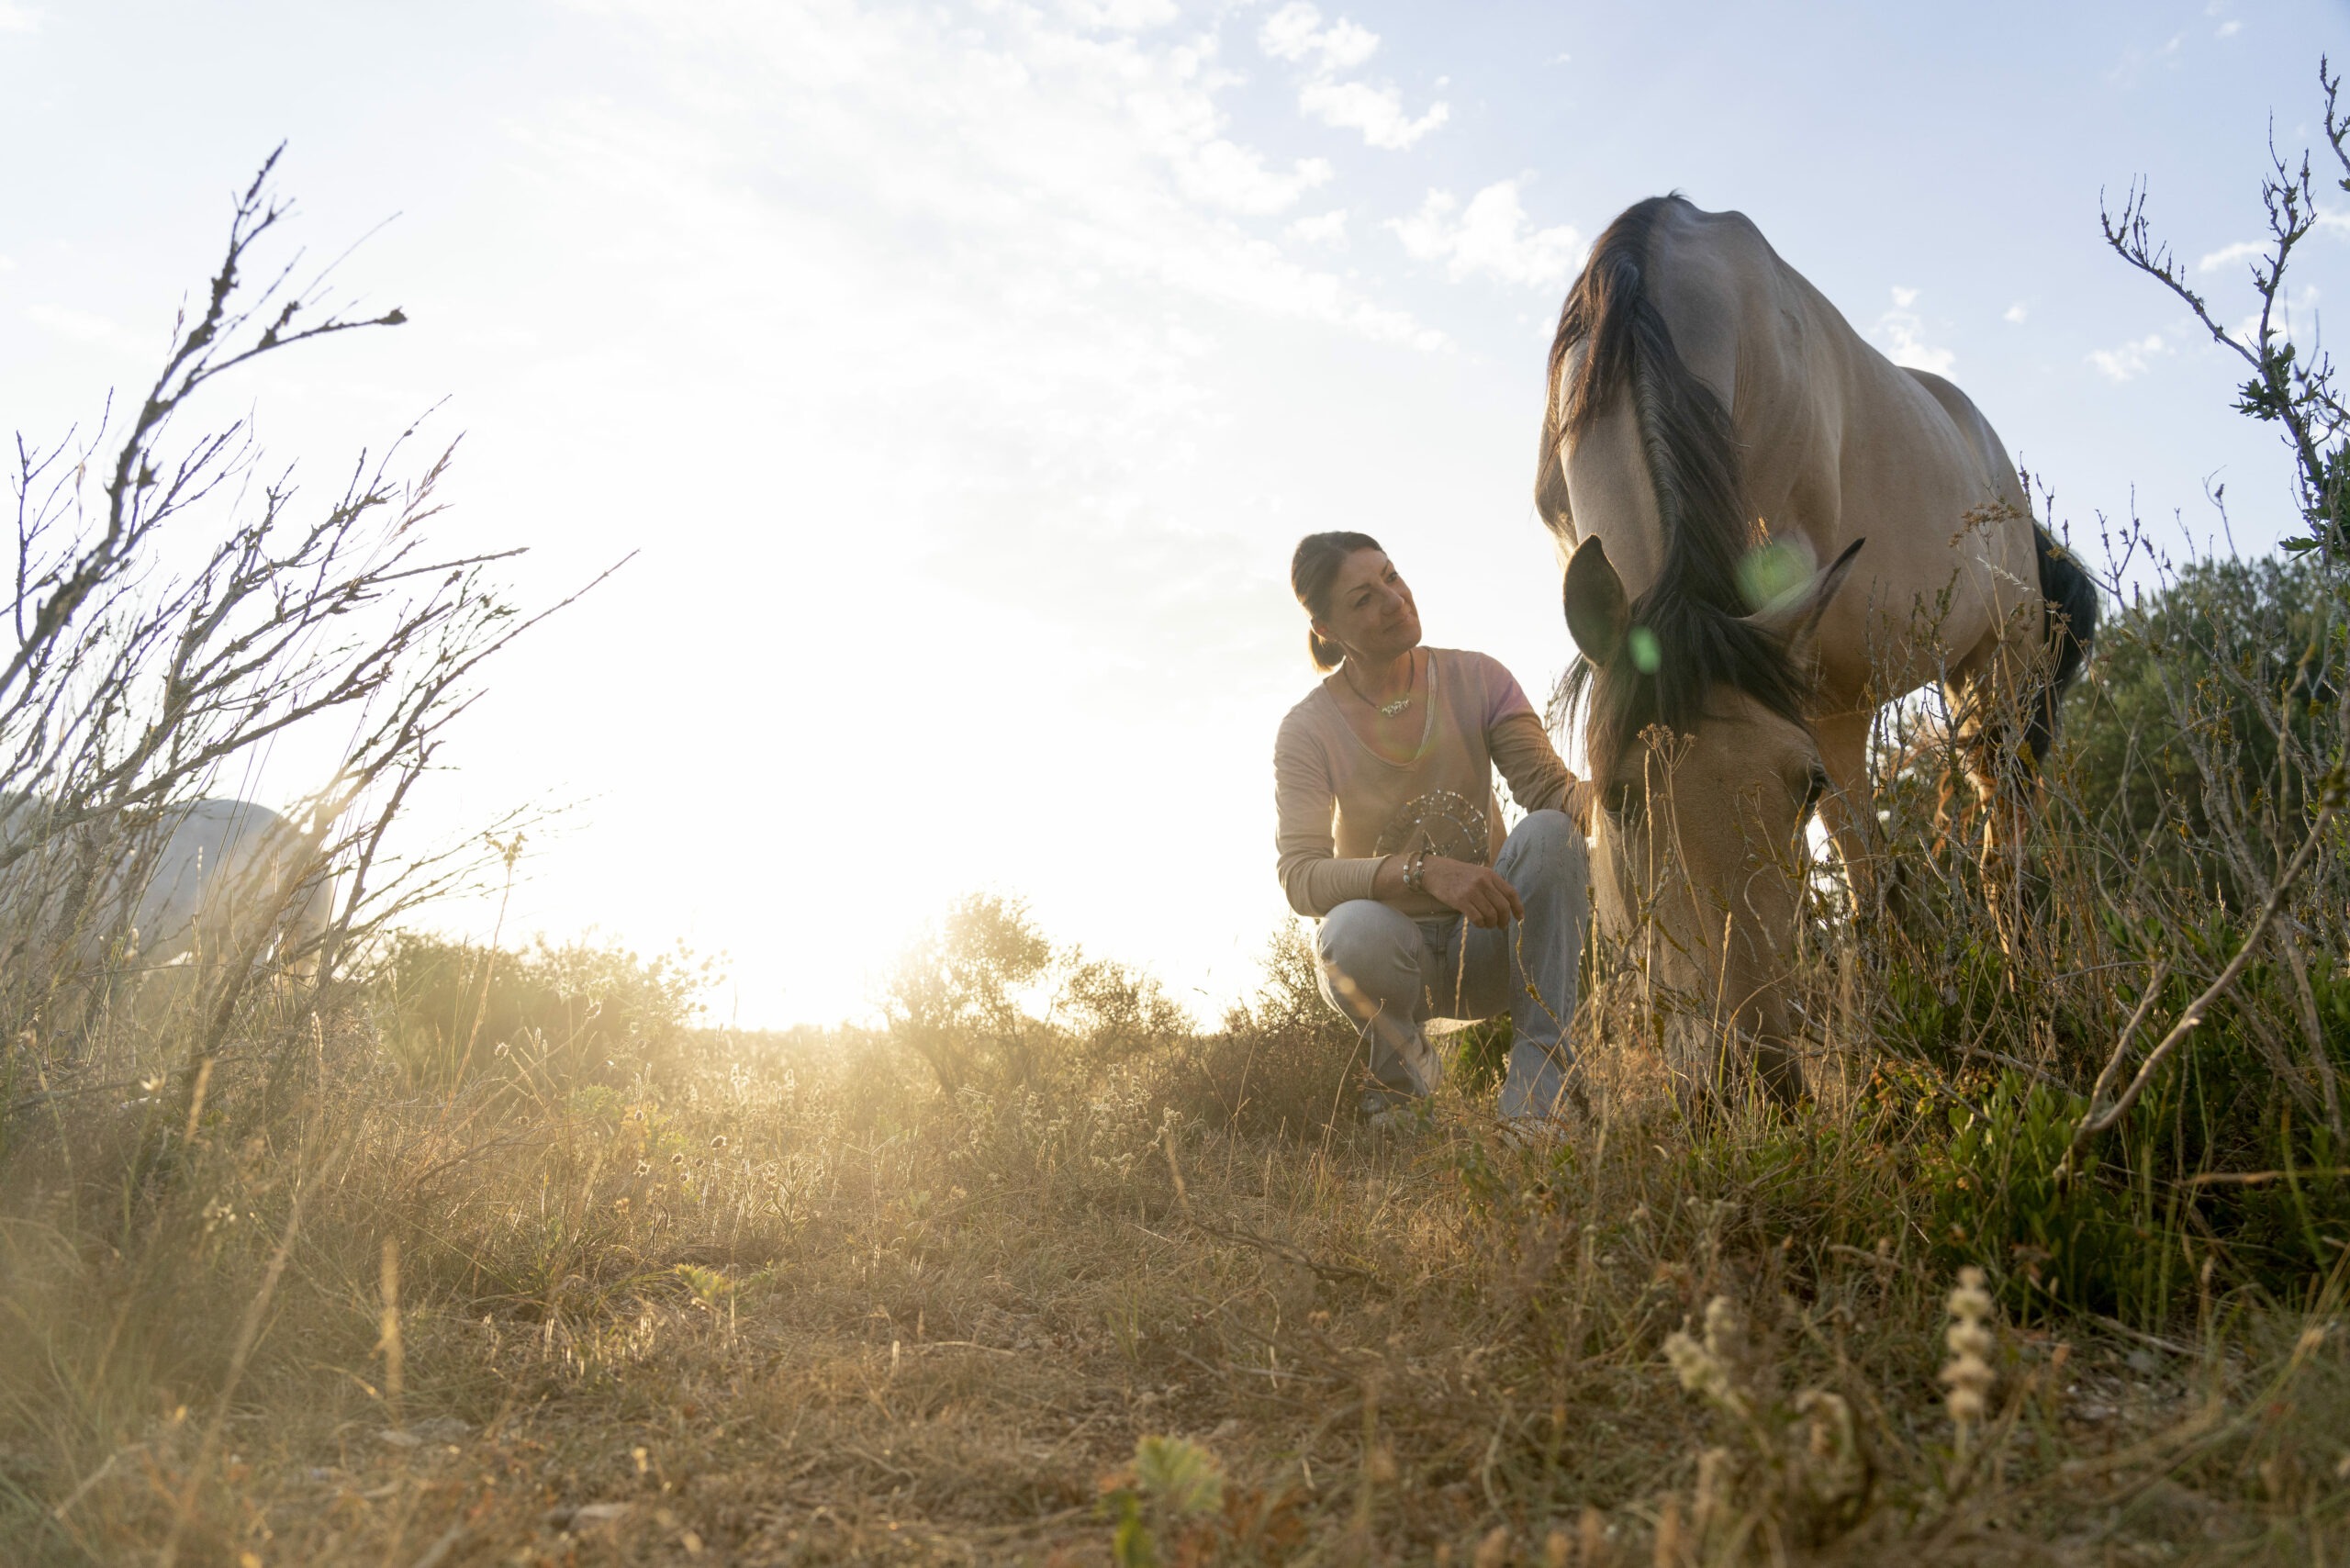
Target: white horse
(232, 877)
(202, 883)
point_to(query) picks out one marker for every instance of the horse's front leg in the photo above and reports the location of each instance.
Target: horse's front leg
(2004, 792)
(1848, 810)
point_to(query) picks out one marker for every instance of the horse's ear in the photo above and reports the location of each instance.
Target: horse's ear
(1598, 614)
(1796, 619)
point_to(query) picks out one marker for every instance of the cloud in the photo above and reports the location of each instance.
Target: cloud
(2229, 30)
(1323, 228)
(1073, 190)
(1120, 15)
(2137, 61)
(1377, 112)
(2301, 303)
(81, 327)
(18, 18)
(1490, 236)
(2336, 220)
(1903, 332)
(1296, 34)
(1047, 149)
(1235, 179)
(2241, 251)
(2014, 313)
(2129, 360)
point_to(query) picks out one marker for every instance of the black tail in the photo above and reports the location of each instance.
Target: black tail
(2071, 600)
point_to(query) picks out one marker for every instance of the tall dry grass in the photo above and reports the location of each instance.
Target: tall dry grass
(782, 1298)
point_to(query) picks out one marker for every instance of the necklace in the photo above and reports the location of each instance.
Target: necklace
(1388, 709)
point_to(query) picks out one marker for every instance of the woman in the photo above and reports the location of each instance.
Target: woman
(1390, 837)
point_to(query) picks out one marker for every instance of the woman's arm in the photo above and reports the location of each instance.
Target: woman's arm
(1540, 780)
(1305, 802)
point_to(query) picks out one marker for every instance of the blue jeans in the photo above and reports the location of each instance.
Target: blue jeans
(1391, 973)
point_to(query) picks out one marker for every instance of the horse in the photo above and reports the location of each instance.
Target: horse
(1713, 430)
(194, 887)
(230, 877)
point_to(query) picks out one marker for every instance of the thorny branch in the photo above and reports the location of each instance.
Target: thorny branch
(2283, 389)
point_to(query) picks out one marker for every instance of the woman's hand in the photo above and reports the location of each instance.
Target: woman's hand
(1477, 891)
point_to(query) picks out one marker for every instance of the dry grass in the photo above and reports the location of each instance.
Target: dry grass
(783, 1301)
(455, 1262)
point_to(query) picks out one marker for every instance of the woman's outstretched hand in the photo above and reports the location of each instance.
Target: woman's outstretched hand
(1477, 891)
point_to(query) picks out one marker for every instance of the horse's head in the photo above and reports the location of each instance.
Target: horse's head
(1704, 771)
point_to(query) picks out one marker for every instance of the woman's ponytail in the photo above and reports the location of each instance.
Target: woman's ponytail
(1310, 571)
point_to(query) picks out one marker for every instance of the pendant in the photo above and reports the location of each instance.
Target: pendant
(1396, 707)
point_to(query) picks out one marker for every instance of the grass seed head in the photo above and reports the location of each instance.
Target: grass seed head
(1968, 1374)
(1709, 1368)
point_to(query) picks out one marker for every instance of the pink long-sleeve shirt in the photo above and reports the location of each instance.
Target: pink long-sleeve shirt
(1344, 809)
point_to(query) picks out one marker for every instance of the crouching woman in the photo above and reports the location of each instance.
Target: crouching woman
(1390, 837)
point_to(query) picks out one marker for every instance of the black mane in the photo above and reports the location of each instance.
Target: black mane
(1696, 610)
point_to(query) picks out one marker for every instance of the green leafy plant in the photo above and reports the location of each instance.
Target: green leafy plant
(1171, 1485)
(1997, 1201)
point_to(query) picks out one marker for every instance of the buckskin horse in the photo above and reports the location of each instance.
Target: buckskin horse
(1713, 429)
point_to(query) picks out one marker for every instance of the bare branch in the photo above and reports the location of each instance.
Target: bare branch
(2094, 1121)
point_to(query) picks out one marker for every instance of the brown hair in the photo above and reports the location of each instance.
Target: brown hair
(1318, 558)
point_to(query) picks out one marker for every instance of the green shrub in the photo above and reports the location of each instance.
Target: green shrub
(1114, 1013)
(1997, 1201)
(1480, 1056)
(2208, 704)
(955, 998)
(546, 1019)
(1282, 1064)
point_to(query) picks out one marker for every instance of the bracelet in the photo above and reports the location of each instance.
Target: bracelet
(1415, 872)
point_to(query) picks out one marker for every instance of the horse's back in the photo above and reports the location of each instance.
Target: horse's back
(1832, 443)
(1994, 469)
(1840, 443)
(222, 865)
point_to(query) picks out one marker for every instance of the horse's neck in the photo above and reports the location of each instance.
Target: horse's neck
(1612, 498)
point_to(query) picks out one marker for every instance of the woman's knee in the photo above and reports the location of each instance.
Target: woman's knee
(1374, 946)
(1548, 842)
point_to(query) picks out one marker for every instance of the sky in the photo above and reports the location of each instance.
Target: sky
(961, 376)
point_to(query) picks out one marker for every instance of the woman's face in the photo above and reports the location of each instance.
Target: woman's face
(1372, 613)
